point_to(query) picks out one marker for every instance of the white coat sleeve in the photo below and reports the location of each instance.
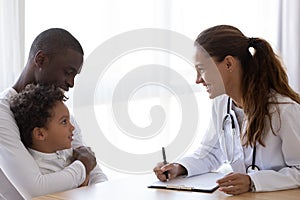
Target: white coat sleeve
(287, 177)
(21, 167)
(208, 156)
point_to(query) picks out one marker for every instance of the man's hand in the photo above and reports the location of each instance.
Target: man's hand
(86, 181)
(173, 169)
(86, 156)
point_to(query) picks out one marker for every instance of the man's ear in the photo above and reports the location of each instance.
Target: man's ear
(40, 59)
(39, 133)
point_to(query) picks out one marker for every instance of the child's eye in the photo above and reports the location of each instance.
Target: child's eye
(64, 122)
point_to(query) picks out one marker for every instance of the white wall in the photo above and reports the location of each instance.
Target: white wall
(96, 21)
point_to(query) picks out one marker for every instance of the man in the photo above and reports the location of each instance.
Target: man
(55, 57)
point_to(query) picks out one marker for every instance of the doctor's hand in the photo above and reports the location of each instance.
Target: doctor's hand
(173, 169)
(234, 183)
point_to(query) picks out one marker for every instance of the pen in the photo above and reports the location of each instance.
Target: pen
(165, 162)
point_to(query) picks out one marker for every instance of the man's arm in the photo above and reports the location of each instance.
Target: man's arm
(97, 176)
(24, 172)
(22, 168)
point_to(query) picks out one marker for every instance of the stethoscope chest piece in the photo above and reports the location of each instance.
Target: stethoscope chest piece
(251, 169)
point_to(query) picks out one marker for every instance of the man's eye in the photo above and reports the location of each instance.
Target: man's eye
(68, 72)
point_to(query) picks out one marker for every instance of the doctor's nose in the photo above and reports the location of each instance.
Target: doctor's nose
(199, 79)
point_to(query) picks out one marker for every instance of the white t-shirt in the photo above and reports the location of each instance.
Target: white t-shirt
(20, 165)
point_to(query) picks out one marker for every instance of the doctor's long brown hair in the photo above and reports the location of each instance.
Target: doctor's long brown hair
(262, 74)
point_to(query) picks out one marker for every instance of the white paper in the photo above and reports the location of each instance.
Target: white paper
(203, 182)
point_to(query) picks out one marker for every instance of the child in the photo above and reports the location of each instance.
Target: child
(44, 123)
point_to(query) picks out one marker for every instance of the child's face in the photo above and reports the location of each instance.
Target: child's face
(59, 129)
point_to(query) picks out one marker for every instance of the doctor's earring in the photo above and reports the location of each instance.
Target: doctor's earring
(229, 68)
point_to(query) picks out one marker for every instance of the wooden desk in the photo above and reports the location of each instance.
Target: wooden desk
(135, 188)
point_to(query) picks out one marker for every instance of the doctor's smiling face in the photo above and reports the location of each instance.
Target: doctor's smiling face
(208, 73)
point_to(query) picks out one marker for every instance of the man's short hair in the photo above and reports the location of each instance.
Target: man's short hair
(55, 40)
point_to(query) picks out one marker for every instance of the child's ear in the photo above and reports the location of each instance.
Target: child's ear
(39, 133)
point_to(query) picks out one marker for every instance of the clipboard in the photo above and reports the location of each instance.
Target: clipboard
(200, 183)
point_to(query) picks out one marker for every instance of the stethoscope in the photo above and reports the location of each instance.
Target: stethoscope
(251, 168)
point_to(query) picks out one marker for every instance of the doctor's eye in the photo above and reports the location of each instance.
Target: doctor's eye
(200, 70)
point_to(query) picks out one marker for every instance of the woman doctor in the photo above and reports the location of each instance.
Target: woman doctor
(255, 116)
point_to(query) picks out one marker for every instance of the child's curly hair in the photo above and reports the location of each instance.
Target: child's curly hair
(32, 108)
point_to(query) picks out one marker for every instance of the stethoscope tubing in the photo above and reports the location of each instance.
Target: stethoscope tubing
(253, 166)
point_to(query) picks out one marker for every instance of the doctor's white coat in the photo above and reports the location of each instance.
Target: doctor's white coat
(279, 160)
